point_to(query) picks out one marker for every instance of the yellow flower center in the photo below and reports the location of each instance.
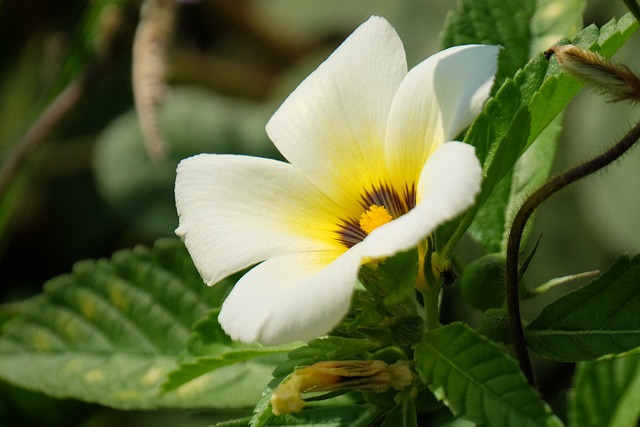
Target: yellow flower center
(373, 218)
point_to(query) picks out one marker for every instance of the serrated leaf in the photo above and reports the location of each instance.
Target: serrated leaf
(598, 319)
(494, 218)
(210, 348)
(522, 108)
(110, 331)
(477, 380)
(605, 393)
(337, 416)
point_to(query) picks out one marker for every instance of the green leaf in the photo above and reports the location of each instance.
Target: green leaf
(605, 393)
(110, 332)
(386, 312)
(337, 416)
(500, 22)
(494, 218)
(598, 319)
(326, 348)
(402, 415)
(477, 380)
(210, 348)
(522, 108)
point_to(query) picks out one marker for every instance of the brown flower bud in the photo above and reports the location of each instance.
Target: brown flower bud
(616, 81)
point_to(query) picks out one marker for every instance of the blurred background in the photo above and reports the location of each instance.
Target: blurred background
(88, 187)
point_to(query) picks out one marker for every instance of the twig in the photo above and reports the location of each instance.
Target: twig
(515, 237)
(48, 121)
(44, 126)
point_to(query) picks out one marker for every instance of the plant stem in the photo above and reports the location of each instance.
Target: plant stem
(432, 308)
(515, 236)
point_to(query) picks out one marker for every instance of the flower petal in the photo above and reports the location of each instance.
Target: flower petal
(437, 99)
(294, 297)
(236, 211)
(332, 126)
(448, 185)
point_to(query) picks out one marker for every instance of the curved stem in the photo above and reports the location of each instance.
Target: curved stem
(515, 236)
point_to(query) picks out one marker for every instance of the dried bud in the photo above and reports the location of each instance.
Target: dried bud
(615, 81)
(361, 375)
(151, 41)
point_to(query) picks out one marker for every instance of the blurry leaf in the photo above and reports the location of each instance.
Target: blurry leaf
(210, 349)
(336, 416)
(554, 20)
(110, 332)
(598, 319)
(522, 108)
(402, 415)
(605, 393)
(193, 122)
(477, 380)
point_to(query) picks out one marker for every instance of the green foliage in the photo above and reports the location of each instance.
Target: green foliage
(209, 348)
(477, 380)
(518, 113)
(386, 312)
(605, 393)
(327, 348)
(482, 284)
(500, 22)
(598, 319)
(337, 416)
(402, 415)
(110, 332)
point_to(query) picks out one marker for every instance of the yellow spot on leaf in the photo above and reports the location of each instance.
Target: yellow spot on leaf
(41, 341)
(94, 376)
(117, 298)
(153, 376)
(88, 307)
(373, 218)
(194, 387)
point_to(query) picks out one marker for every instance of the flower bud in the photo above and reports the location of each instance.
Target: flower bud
(615, 81)
(361, 375)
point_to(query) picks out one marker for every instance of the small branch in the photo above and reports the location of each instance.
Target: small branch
(44, 126)
(519, 222)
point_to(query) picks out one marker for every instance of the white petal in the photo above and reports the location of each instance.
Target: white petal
(236, 211)
(293, 297)
(437, 99)
(448, 185)
(332, 126)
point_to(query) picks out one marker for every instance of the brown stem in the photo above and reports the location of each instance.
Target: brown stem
(515, 236)
(46, 124)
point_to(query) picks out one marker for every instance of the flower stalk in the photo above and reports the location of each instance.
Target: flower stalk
(515, 236)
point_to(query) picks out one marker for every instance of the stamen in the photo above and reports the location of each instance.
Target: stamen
(373, 218)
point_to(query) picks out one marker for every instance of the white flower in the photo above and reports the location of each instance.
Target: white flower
(371, 174)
